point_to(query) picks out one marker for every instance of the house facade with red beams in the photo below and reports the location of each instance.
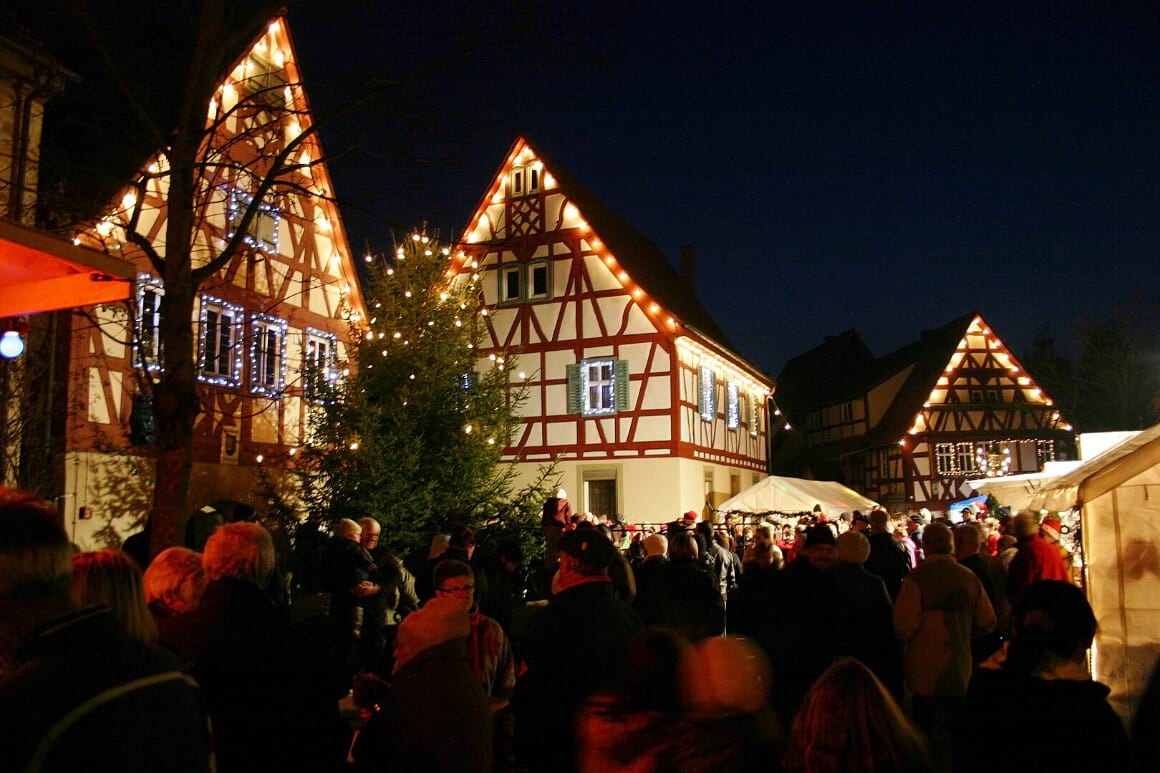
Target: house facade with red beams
(911, 428)
(631, 385)
(270, 326)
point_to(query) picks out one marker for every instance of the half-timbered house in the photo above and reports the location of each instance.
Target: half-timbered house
(270, 325)
(631, 384)
(909, 429)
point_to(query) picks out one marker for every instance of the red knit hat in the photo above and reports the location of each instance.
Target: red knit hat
(691, 515)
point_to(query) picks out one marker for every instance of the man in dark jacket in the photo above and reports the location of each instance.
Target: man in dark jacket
(77, 683)
(683, 597)
(570, 648)
(272, 694)
(865, 614)
(888, 558)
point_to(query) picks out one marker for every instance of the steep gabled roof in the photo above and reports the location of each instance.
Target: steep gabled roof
(843, 368)
(639, 256)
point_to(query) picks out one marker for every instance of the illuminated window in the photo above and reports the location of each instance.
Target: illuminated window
(732, 406)
(598, 387)
(219, 349)
(319, 364)
(754, 414)
(262, 233)
(944, 458)
(265, 82)
(147, 349)
(706, 393)
(267, 355)
(965, 453)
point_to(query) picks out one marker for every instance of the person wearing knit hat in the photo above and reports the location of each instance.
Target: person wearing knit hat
(819, 546)
(852, 547)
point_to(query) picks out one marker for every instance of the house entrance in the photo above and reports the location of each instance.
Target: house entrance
(600, 496)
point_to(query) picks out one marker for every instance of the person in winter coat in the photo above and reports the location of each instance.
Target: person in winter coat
(1035, 559)
(1042, 672)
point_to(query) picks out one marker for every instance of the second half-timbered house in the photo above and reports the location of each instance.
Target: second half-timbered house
(909, 429)
(631, 384)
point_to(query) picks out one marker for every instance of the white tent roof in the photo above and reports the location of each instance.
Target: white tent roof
(1138, 456)
(1017, 491)
(797, 495)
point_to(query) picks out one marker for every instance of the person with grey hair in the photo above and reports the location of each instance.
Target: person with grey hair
(77, 680)
(941, 607)
(863, 618)
(271, 692)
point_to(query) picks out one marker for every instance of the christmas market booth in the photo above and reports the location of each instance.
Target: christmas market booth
(781, 495)
(1117, 495)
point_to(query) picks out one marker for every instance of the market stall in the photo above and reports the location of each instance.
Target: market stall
(1118, 497)
(782, 495)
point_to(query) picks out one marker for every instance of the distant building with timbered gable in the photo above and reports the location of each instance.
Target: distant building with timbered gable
(909, 429)
(632, 385)
(269, 326)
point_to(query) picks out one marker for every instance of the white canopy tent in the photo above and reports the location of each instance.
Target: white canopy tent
(1017, 491)
(796, 495)
(1118, 495)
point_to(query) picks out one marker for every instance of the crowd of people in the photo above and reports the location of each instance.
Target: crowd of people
(873, 642)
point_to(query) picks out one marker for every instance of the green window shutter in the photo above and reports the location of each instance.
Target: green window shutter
(575, 387)
(620, 374)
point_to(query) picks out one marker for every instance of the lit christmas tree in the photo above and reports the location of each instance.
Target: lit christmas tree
(414, 433)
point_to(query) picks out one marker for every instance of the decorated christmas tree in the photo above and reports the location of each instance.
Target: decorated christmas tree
(413, 433)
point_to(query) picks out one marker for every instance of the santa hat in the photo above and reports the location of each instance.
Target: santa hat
(1050, 527)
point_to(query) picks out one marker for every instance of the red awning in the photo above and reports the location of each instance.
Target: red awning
(41, 272)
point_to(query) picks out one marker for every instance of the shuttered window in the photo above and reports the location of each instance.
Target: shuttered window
(598, 386)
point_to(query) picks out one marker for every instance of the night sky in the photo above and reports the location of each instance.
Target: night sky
(834, 165)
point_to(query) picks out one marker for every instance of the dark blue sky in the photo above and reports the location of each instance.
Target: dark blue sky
(835, 165)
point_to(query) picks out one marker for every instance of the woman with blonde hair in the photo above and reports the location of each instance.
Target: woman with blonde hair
(112, 578)
(849, 722)
(174, 582)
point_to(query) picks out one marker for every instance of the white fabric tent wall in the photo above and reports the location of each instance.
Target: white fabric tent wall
(1118, 493)
(797, 495)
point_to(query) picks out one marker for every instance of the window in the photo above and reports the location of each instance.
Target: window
(884, 465)
(976, 395)
(319, 369)
(539, 280)
(531, 282)
(511, 284)
(1044, 452)
(219, 353)
(525, 179)
(847, 412)
(966, 458)
(598, 387)
(944, 458)
(267, 355)
(993, 396)
(147, 349)
(754, 415)
(263, 231)
(732, 406)
(706, 393)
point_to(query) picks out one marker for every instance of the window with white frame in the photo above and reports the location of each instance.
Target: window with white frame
(598, 386)
(1044, 452)
(267, 355)
(147, 343)
(262, 232)
(944, 458)
(706, 393)
(965, 453)
(732, 405)
(525, 179)
(319, 363)
(219, 342)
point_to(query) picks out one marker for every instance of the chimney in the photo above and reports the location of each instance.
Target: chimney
(689, 267)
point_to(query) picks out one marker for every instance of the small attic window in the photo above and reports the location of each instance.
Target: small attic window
(525, 179)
